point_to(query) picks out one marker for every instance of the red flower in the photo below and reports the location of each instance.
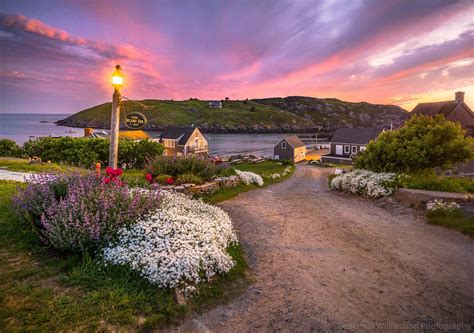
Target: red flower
(149, 178)
(117, 172)
(169, 181)
(109, 171)
(107, 180)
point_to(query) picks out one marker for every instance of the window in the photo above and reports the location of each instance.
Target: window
(169, 143)
(347, 149)
(362, 148)
(354, 149)
(283, 145)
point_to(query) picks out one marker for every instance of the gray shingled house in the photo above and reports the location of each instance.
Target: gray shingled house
(347, 142)
(456, 110)
(290, 148)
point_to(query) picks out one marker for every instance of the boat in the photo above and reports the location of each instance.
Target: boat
(52, 135)
(71, 131)
(44, 122)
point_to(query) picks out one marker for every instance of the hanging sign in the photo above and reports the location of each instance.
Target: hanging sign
(135, 120)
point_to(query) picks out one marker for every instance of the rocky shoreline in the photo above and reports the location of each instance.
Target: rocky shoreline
(221, 129)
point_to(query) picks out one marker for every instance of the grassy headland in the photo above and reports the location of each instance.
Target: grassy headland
(290, 114)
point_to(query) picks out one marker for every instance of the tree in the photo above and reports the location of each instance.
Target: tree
(422, 143)
(10, 148)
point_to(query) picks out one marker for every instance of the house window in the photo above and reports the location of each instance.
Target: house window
(362, 148)
(169, 143)
(354, 149)
(347, 149)
(283, 145)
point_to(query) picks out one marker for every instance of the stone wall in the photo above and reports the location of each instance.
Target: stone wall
(206, 188)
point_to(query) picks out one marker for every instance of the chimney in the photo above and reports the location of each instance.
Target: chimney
(459, 96)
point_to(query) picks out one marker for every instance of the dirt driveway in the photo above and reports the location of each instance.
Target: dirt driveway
(329, 261)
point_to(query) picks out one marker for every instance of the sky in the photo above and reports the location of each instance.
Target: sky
(58, 56)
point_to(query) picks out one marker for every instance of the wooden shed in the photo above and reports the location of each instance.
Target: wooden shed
(290, 148)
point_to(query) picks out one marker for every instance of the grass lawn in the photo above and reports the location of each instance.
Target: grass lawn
(432, 182)
(21, 164)
(453, 220)
(41, 290)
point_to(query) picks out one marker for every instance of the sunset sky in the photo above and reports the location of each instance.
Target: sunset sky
(57, 56)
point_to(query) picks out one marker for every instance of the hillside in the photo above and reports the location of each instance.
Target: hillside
(331, 113)
(269, 115)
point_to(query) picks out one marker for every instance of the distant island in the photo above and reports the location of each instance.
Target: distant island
(267, 115)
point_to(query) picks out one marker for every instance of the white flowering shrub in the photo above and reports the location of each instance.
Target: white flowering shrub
(441, 205)
(275, 176)
(248, 177)
(183, 242)
(366, 183)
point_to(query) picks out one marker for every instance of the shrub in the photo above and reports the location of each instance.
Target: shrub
(248, 177)
(183, 242)
(366, 183)
(428, 180)
(439, 205)
(78, 213)
(163, 179)
(9, 148)
(176, 166)
(86, 152)
(189, 178)
(422, 143)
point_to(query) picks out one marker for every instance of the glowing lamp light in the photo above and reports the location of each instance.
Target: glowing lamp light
(117, 77)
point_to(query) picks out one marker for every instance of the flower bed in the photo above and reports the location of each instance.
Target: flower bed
(248, 177)
(366, 183)
(441, 205)
(80, 212)
(183, 242)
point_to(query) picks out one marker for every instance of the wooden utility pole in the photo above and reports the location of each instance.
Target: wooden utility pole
(114, 129)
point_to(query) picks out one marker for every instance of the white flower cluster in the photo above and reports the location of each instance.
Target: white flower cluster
(182, 242)
(275, 176)
(440, 204)
(366, 183)
(248, 177)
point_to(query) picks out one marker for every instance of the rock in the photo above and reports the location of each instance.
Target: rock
(419, 198)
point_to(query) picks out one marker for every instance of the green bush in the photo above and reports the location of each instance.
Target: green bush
(452, 219)
(162, 179)
(176, 166)
(429, 181)
(9, 148)
(86, 152)
(422, 143)
(189, 178)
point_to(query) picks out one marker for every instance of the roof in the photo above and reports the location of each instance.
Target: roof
(431, 109)
(355, 135)
(182, 134)
(214, 102)
(294, 141)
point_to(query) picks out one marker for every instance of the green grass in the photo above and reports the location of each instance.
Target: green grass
(453, 220)
(20, 164)
(41, 290)
(184, 113)
(265, 169)
(432, 182)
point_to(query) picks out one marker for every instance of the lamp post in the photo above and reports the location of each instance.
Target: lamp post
(117, 82)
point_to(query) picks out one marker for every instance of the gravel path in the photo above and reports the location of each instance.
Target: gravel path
(328, 261)
(13, 175)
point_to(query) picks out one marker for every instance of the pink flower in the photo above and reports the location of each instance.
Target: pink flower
(107, 180)
(149, 178)
(109, 171)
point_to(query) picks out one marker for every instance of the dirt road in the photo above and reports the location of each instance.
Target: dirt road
(328, 261)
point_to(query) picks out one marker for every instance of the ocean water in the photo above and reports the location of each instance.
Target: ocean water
(21, 127)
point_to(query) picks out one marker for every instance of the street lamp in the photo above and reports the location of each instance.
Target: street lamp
(117, 82)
